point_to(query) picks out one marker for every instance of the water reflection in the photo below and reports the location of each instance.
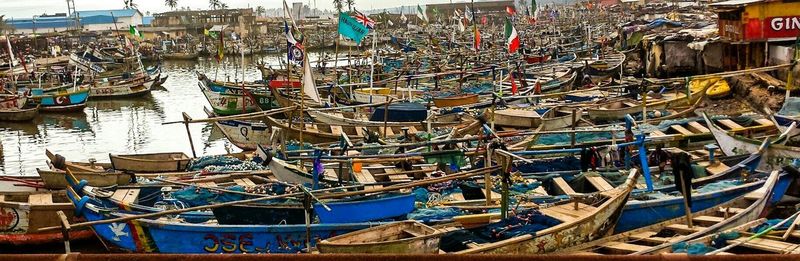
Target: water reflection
(132, 125)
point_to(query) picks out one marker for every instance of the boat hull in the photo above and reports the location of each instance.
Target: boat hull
(159, 162)
(55, 179)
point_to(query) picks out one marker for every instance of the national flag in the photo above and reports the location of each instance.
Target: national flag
(534, 7)
(403, 18)
(461, 25)
(514, 89)
(477, 39)
(294, 48)
(135, 32)
(350, 28)
(221, 47)
(484, 20)
(128, 44)
(510, 10)
(421, 14)
(512, 38)
(363, 19)
(205, 32)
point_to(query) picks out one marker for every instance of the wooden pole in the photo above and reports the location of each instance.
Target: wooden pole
(65, 227)
(386, 116)
(186, 120)
(487, 177)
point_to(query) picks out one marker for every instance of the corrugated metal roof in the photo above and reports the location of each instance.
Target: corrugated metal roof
(147, 20)
(731, 3)
(116, 13)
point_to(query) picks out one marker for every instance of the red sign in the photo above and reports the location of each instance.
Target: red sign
(781, 27)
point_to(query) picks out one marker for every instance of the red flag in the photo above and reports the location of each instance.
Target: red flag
(537, 89)
(514, 89)
(510, 10)
(477, 42)
(484, 20)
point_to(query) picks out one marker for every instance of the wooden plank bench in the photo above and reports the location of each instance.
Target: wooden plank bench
(563, 186)
(765, 122)
(697, 127)
(336, 130)
(730, 124)
(623, 248)
(41, 199)
(600, 183)
(769, 245)
(684, 228)
(680, 129)
(657, 133)
(707, 220)
(717, 168)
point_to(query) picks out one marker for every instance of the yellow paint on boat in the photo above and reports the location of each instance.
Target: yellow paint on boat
(719, 89)
(375, 91)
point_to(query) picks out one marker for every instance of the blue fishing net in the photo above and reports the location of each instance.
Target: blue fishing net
(548, 165)
(691, 248)
(528, 221)
(428, 215)
(562, 139)
(769, 223)
(194, 196)
(721, 240)
(477, 88)
(719, 185)
(791, 107)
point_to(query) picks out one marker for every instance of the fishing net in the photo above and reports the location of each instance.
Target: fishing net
(429, 215)
(791, 107)
(769, 223)
(580, 137)
(719, 185)
(527, 221)
(566, 163)
(721, 240)
(691, 248)
(194, 196)
(222, 163)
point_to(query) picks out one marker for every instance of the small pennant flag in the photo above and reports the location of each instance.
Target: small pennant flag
(512, 38)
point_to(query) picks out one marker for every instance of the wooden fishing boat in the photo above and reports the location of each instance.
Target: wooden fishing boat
(406, 237)
(577, 222)
(150, 162)
(64, 99)
(20, 183)
(552, 119)
(27, 113)
(123, 88)
(228, 104)
(617, 109)
(729, 214)
(172, 236)
(243, 134)
(455, 100)
(606, 67)
(180, 56)
(372, 95)
(786, 117)
(23, 213)
(775, 157)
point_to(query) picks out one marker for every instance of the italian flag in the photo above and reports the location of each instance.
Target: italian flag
(512, 38)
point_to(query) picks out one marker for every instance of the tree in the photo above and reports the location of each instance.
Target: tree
(171, 3)
(3, 25)
(350, 4)
(223, 6)
(129, 4)
(261, 11)
(338, 5)
(214, 4)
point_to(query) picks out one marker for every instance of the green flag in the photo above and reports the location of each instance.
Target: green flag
(135, 32)
(350, 28)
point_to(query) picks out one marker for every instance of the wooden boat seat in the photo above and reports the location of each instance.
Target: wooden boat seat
(336, 130)
(765, 122)
(680, 129)
(41, 199)
(630, 104)
(623, 248)
(730, 124)
(769, 245)
(731, 210)
(365, 177)
(600, 183)
(330, 174)
(684, 228)
(413, 233)
(360, 132)
(563, 186)
(697, 127)
(412, 130)
(657, 133)
(389, 131)
(126, 195)
(641, 186)
(245, 182)
(395, 176)
(717, 168)
(567, 212)
(707, 219)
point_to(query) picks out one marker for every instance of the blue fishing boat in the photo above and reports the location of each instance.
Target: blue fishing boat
(373, 208)
(61, 100)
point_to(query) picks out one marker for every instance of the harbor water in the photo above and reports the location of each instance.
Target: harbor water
(128, 125)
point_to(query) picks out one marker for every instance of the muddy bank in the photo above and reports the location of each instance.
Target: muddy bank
(755, 93)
